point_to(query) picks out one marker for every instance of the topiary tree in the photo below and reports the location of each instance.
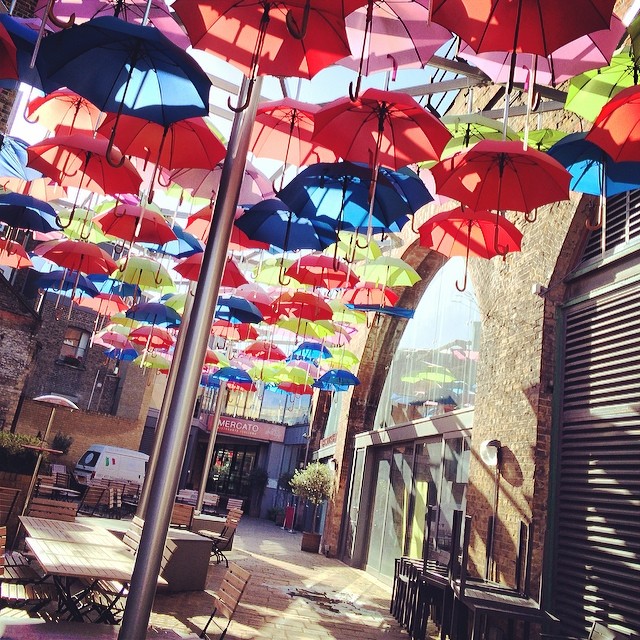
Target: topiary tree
(313, 483)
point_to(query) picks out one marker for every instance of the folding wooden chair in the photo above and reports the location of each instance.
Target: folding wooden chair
(182, 515)
(8, 501)
(227, 597)
(91, 500)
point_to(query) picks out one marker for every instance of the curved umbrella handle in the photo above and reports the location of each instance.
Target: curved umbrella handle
(155, 278)
(110, 146)
(87, 235)
(241, 107)
(123, 267)
(353, 94)
(281, 276)
(361, 246)
(594, 226)
(26, 117)
(500, 251)
(413, 225)
(531, 216)
(292, 27)
(61, 24)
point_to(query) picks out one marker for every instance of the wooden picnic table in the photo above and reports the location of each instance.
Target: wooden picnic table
(77, 532)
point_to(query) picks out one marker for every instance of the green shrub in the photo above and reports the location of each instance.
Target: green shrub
(62, 442)
(14, 456)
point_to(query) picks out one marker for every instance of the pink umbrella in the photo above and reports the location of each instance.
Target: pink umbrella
(159, 16)
(386, 35)
(204, 183)
(590, 51)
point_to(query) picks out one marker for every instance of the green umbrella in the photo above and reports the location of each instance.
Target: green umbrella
(433, 373)
(544, 139)
(590, 91)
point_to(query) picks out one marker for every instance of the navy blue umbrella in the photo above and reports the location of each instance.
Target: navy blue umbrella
(154, 313)
(341, 191)
(121, 355)
(237, 310)
(25, 212)
(25, 39)
(228, 374)
(138, 70)
(336, 380)
(274, 222)
(65, 280)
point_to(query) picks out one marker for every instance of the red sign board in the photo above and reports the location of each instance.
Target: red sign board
(249, 428)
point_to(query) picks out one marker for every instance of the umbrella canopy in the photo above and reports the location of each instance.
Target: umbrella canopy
(182, 246)
(387, 272)
(274, 222)
(13, 255)
(142, 73)
(302, 304)
(152, 337)
(145, 273)
(590, 51)
(264, 350)
(386, 35)
(126, 354)
(341, 358)
(336, 380)
(109, 338)
(81, 161)
(232, 331)
(616, 129)
(368, 293)
(213, 357)
(467, 129)
(260, 298)
(24, 38)
(592, 170)
(256, 36)
(8, 56)
(64, 112)
(229, 374)
(41, 188)
(135, 223)
(153, 360)
(236, 310)
(311, 351)
(26, 212)
(283, 130)
(502, 175)
(155, 12)
(77, 256)
(154, 313)
(104, 304)
(319, 330)
(189, 268)
(381, 128)
(342, 191)
(523, 26)
(59, 401)
(318, 270)
(13, 159)
(64, 280)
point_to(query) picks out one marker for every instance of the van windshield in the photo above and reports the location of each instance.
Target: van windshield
(89, 459)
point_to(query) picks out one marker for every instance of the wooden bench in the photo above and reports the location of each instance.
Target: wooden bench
(40, 507)
(227, 597)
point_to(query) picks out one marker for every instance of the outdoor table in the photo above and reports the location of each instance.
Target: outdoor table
(46, 529)
(58, 491)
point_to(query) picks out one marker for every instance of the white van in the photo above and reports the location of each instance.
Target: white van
(104, 462)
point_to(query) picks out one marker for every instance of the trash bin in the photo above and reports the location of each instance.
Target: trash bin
(289, 513)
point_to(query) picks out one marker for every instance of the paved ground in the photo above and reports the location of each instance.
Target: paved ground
(292, 595)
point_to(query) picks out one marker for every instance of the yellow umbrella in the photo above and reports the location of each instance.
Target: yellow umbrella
(344, 315)
(144, 272)
(387, 272)
(347, 247)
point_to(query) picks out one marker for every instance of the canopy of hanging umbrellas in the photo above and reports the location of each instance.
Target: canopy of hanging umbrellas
(126, 107)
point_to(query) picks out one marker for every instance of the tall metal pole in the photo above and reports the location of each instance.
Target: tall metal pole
(220, 398)
(141, 511)
(165, 481)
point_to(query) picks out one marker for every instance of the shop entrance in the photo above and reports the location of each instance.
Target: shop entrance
(230, 469)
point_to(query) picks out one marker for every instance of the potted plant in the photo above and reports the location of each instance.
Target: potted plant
(315, 484)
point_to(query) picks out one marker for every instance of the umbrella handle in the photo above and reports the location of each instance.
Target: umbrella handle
(531, 216)
(281, 276)
(594, 226)
(413, 225)
(353, 94)
(241, 107)
(61, 24)
(362, 246)
(110, 160)
(292, 26)
(59, 220)
(496, 245)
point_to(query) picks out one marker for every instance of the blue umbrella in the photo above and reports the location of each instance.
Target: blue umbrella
(336, 380)
(107, 284)
(121, 355)
(228, 374)
(237, 310)
(25, 212)
(65, 280)
(25, 39)
(398, 312)
(13, 159)
(592, 170)
(140, 72)
(274, 222)
(310, 351)
(341, 191)
(154, 313)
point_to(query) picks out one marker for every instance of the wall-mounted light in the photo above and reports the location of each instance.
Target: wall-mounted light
(490, 452)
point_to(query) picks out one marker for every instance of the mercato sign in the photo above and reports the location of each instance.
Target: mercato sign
(249, 428)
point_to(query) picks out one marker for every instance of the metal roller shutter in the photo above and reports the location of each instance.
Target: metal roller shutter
(597, 568)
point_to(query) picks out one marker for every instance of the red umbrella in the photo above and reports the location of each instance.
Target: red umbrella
(283, 130)
(189, 268)
(134, 223)
(302, 304)
(64, 112)
(462, 232)
(368, 293)
(104, 304)
(522, 26)
(230, 331)
(255, 294)
(263, 350)
(76, 255)
(186, 143)
(13, 255)
(318, 270)
(256, 35)
(616, 129)
(152, 337)
(40, 188)
(8, 53)
(381, 128)
(501, 174)
(80, 161)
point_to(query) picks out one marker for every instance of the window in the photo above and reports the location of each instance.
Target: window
(74, 346)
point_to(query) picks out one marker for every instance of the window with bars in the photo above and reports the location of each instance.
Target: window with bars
(621, 226)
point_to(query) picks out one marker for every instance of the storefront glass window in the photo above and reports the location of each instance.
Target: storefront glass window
(434, 368)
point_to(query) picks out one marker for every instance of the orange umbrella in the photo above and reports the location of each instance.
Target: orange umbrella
(76, 255)
(231, 331)
(40, 188)
(64, 112)
(368, 293)
(302, 304)
(104, 304)
(263, 350)
(13, 255)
